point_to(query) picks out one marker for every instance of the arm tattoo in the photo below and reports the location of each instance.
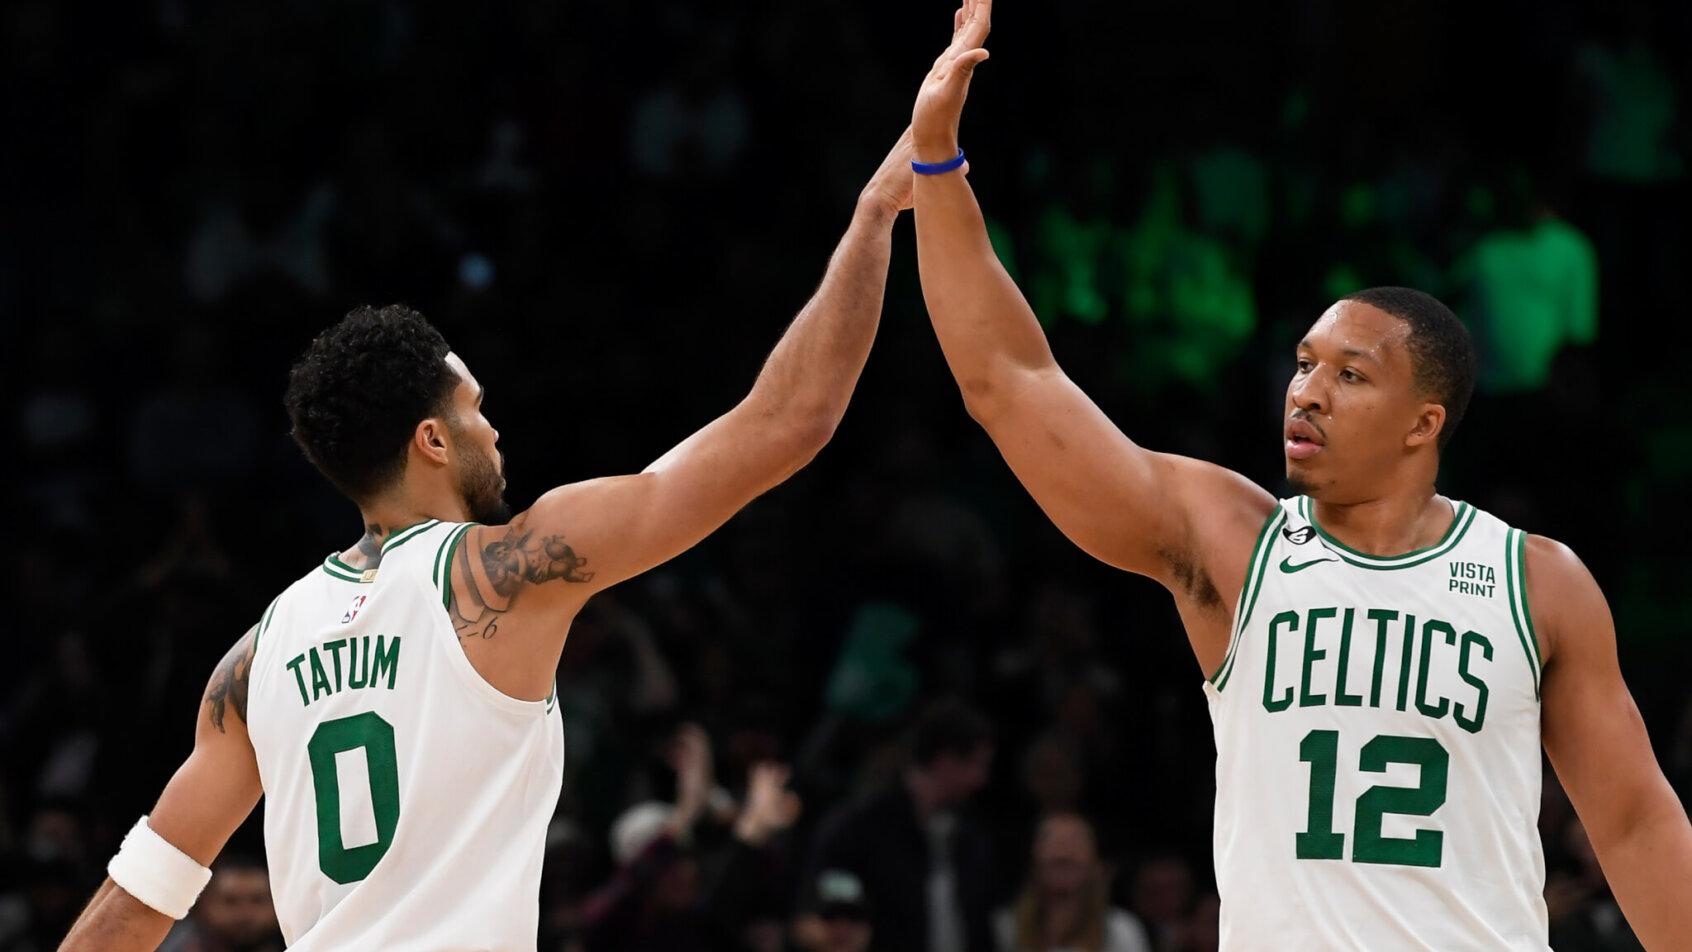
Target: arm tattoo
(228, 686)
(492, 577)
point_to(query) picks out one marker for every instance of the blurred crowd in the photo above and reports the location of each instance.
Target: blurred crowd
(888, 707)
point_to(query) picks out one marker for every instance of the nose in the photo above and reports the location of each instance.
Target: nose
(1309, 394)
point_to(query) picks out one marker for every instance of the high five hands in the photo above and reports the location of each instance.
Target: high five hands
(939, 104)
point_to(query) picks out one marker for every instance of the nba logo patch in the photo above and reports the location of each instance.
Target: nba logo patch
(352, 611)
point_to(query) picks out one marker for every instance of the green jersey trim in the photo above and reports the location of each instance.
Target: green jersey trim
(443, 562)
(1462, 518)
(1515, 561)
(1259, 566)
(341, 570)
(402, 536)
(264, 620)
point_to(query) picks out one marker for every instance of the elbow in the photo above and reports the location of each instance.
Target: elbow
(813, 433)
(804, 434)
(982, 400)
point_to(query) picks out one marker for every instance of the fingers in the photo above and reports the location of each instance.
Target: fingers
(978, 21)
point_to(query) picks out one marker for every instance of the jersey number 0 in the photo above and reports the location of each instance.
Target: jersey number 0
(338, 861)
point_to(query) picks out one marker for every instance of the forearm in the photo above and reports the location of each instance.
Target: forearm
(809, 376)
(115, 921)
(1648, 867)
(985, 327)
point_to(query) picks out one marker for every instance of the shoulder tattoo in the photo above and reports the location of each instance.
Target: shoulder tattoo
(492, 568)
(228, 687)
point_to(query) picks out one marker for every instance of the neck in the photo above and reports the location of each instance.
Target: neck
(1391, 525)
(384, 517)
(1060, 914)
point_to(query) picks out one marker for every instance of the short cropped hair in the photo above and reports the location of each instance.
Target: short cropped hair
(1442, 356)
(358, 393)
(948, 726)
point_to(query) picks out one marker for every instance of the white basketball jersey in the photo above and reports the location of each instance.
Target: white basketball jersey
(407, 799)
(1378, 752)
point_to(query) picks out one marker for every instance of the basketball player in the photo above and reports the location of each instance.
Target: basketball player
(396, 703)
(1384, 662)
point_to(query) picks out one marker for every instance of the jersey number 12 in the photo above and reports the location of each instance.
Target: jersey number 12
(1320, 749)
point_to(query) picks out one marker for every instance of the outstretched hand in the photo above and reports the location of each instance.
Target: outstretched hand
(939, 104)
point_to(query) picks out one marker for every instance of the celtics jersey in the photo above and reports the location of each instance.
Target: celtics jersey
(1378, 753)
(407, 800)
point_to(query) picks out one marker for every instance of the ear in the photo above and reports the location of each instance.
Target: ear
(1429, 422)
(433, 440)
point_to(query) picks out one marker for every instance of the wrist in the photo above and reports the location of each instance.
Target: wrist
(938, 149)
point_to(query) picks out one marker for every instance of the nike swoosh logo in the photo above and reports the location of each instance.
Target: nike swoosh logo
(1288, 567)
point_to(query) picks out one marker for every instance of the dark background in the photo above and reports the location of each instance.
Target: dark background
(611, 210)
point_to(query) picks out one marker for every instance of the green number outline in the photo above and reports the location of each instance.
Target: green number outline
(367, 730)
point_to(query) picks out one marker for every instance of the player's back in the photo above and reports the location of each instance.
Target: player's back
(407, 800)
(1378, 749)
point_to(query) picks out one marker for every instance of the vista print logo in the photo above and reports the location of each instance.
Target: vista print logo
(1299, 536)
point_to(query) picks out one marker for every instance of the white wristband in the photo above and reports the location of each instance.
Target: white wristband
(157, 873)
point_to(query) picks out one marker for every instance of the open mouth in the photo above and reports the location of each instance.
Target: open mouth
(1303, 440)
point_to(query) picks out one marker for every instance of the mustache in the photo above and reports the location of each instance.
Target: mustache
(1301, 414)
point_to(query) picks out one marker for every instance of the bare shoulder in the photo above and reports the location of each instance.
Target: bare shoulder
(493, 569)
(1567, 609)
(1223, 514)
(226, 692)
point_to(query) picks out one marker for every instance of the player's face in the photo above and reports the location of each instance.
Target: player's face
(481, 466)
(1353, 412)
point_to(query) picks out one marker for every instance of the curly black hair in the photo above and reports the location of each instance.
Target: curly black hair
(1442, 356)
(360, 390)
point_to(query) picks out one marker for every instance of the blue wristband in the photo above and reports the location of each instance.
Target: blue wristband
(937, 168)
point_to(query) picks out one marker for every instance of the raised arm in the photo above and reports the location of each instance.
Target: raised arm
(1151, 513)
(596, 533)
(209, 796)
(1598, 745)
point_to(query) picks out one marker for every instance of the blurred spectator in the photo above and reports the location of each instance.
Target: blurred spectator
(1634, 103)
(1203, 928)
(838, 915)
(1530, 289)
(925, 867)
(234, 913)
(656, 900)
(1162, 896)
(1053, 775)
(1065, 905)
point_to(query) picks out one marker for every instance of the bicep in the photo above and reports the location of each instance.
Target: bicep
(1123, 504)
(1591, 728)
